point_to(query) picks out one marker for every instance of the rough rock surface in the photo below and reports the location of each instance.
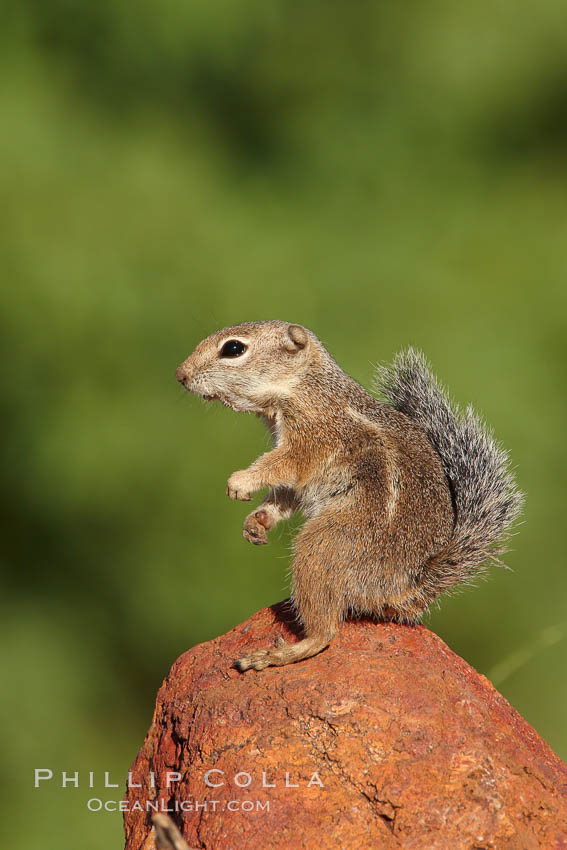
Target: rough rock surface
(388, 740)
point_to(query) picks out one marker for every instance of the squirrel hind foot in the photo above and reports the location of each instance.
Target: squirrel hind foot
(283, 654)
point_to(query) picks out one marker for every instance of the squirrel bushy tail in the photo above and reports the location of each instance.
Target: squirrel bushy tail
(486, 499)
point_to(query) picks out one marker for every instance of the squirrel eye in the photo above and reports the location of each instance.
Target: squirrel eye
(232, 348)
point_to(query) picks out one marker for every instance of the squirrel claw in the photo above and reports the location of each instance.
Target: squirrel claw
(263, 658)
(258, 660)
(237, 486)
(237, 495)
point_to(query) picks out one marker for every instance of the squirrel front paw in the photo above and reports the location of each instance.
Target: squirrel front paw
(239, 486)
(256, 525)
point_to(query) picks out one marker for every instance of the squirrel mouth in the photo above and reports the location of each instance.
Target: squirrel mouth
(217, 398)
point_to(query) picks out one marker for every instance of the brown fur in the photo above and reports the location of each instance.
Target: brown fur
(377, 502)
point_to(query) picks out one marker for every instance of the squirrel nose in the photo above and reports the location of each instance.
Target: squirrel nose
(181, 374)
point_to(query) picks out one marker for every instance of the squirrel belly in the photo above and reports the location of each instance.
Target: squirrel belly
(404, 498)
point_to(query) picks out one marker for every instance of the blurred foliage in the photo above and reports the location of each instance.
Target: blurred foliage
(386, 174)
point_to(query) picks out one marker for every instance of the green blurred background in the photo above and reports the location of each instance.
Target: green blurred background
(383, 173)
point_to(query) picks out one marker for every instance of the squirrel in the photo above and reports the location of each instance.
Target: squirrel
(404, 499)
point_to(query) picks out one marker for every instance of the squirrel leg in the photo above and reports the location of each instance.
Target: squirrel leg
(320, 626)
(280, 503)
(273, 469)
(318, 604)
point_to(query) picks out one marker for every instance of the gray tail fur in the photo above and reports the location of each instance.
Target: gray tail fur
(486, 499)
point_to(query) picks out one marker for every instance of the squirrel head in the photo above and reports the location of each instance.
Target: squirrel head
(250, 367)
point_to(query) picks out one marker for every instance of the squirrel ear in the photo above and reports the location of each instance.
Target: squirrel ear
(295, 338)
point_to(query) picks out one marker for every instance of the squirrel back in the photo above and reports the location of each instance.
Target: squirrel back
(485, 496)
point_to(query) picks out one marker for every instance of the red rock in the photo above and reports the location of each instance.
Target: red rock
(412, 747)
